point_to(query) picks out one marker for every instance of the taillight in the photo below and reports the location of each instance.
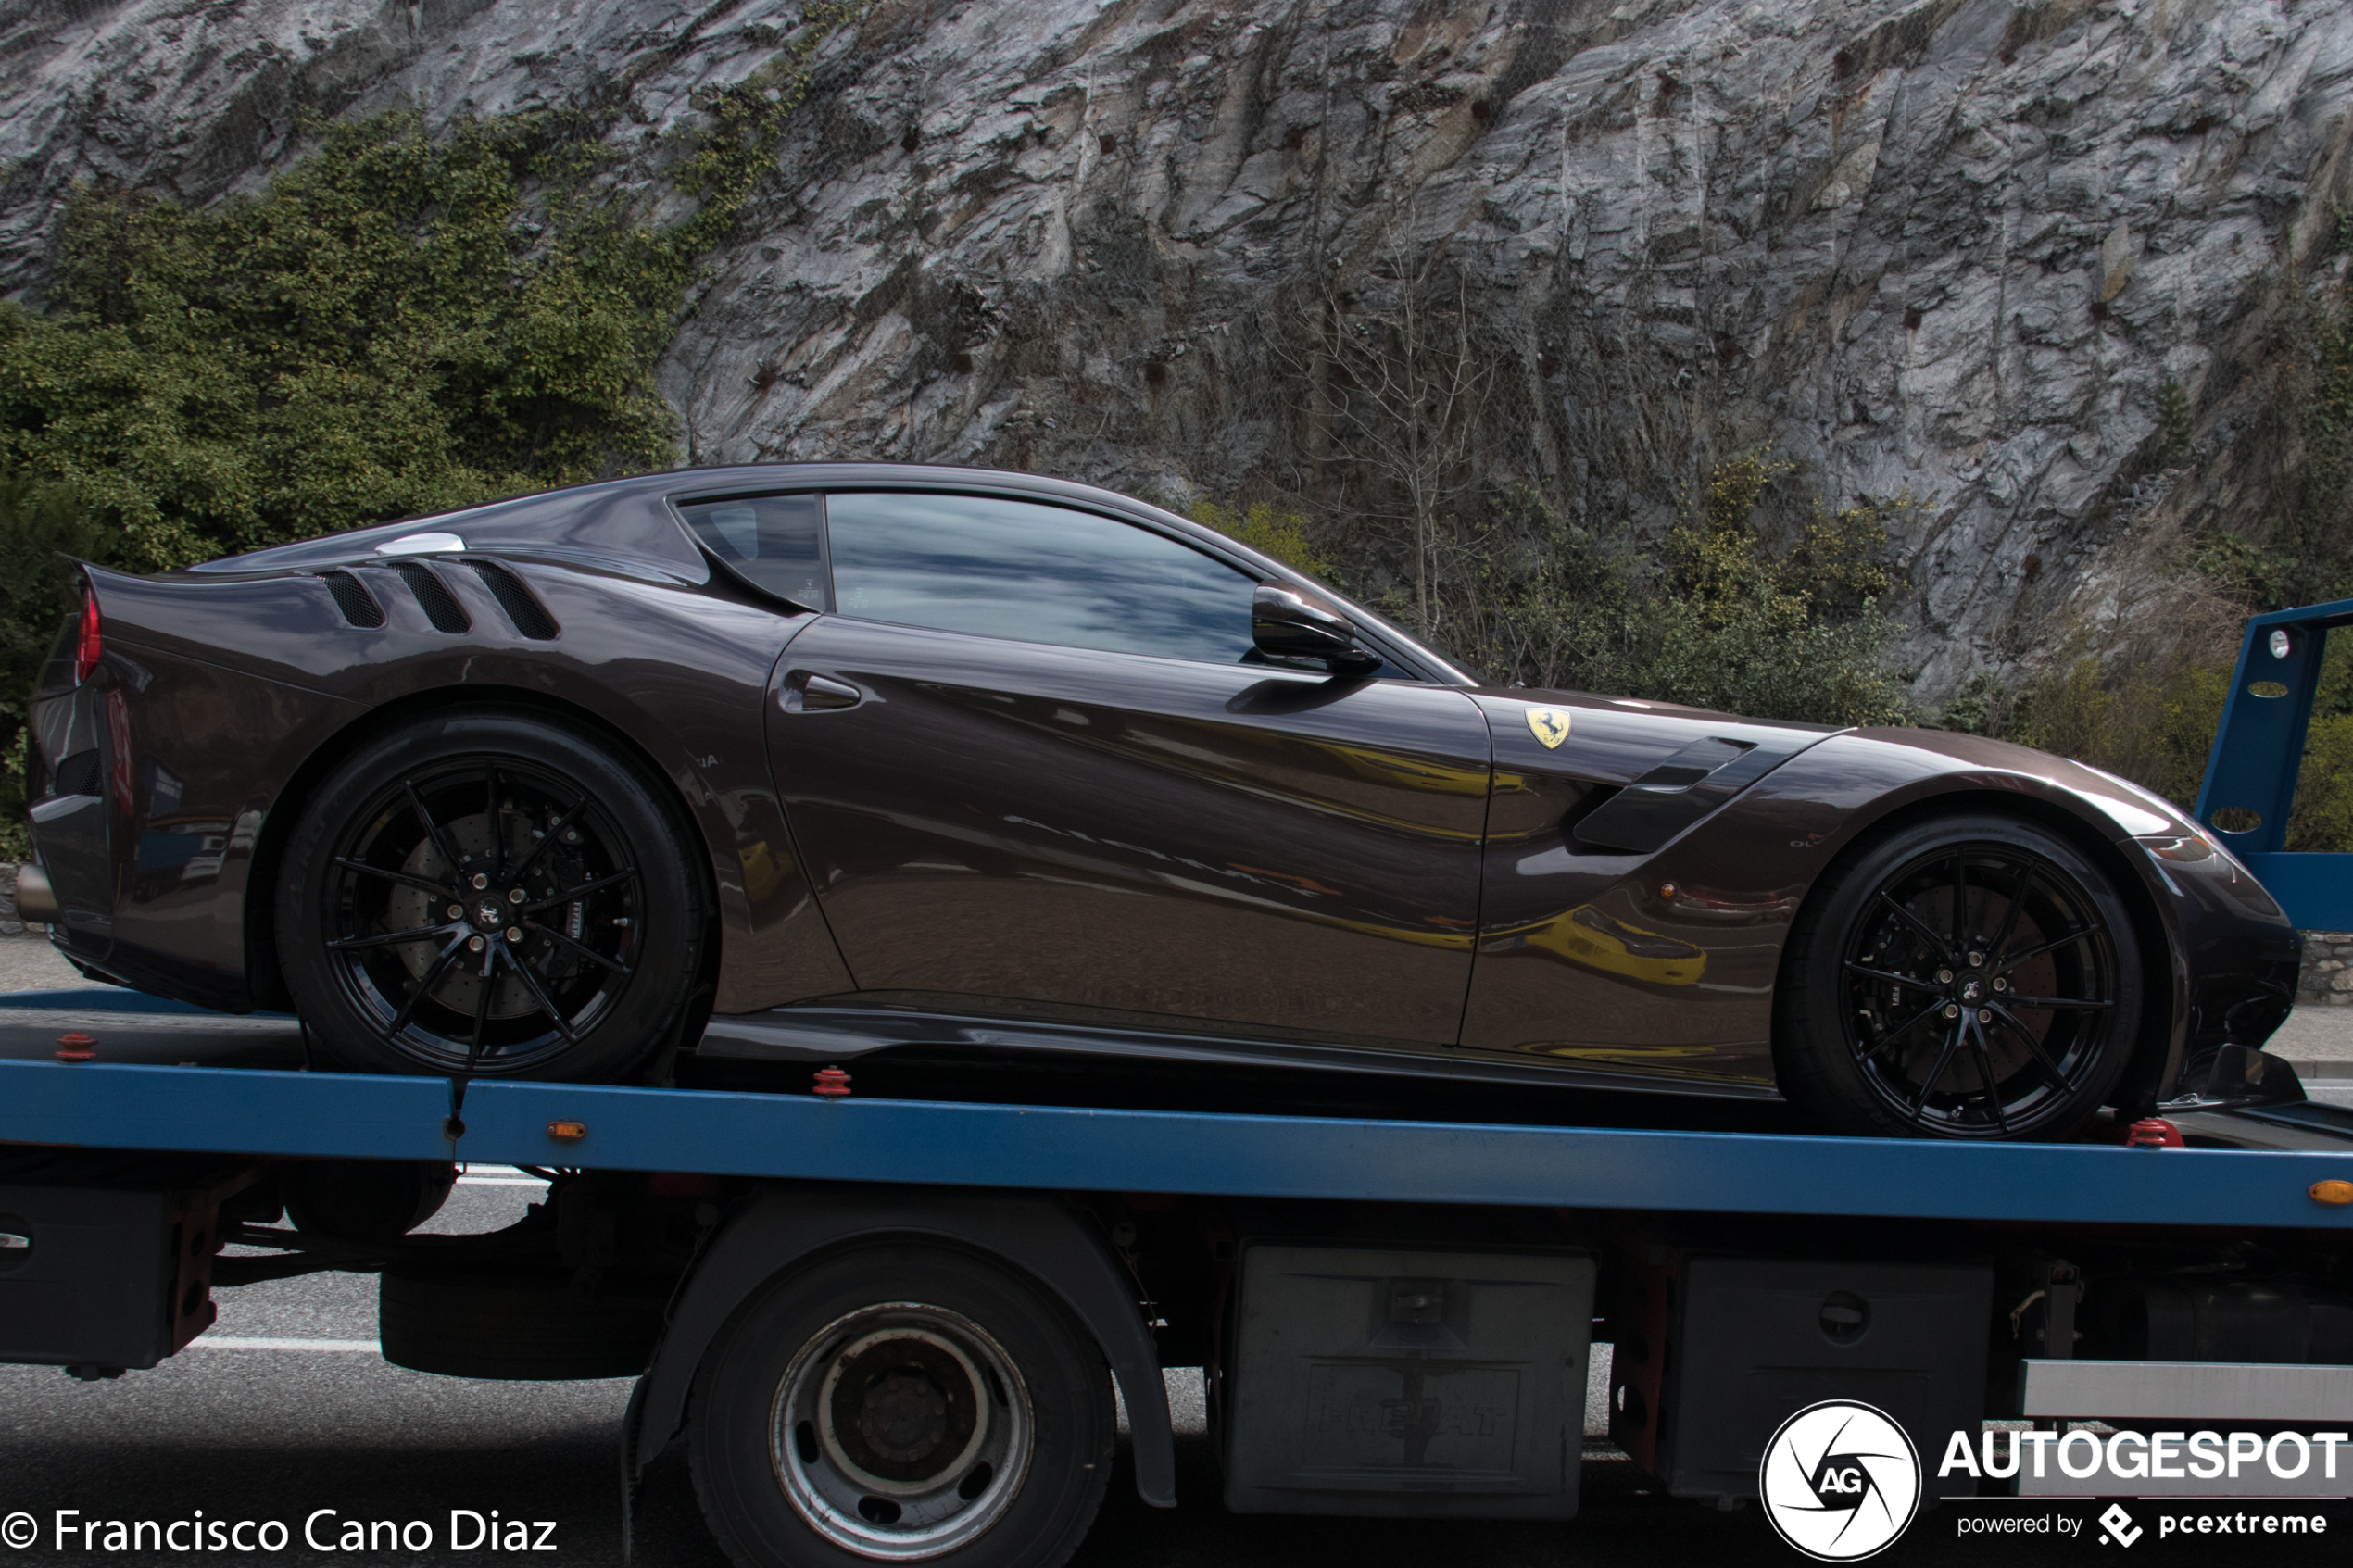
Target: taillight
(91, 646)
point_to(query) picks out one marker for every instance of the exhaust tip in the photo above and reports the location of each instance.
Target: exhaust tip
(35, 901)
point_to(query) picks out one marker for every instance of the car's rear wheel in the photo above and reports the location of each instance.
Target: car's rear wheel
(492, 893)
(903, 1402)
(1967, 977)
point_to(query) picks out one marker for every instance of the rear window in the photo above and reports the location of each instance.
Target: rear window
(775, 543)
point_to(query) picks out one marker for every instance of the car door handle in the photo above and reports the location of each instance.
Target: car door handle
(805, 692)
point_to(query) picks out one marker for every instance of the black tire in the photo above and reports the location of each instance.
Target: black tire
(581, 921)
(539, 1327)
(2015, 1022)
(365, 1200)
(893, 1350)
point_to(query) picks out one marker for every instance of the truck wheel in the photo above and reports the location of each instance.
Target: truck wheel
(367, 1200)
(494, 893)
(899, 1403)
(1967, 977)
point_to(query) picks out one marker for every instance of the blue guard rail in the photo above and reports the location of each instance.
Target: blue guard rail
(2259, 750)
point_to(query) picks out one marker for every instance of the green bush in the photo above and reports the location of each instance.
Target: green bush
(2152, 721)
(2322, 815)
(2149, 706)
(1725, 620)
(2151, 714)
(403, 321)
(1268, 529)
(40, 527)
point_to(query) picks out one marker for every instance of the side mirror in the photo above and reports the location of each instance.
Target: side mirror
(1287, 622)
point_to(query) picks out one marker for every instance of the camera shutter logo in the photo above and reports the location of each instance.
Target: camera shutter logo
(1839, 1481)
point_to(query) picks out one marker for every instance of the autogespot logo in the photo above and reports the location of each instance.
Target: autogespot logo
(1839, 1481)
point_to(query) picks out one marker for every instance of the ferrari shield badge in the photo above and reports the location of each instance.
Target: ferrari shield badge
(1551, 726)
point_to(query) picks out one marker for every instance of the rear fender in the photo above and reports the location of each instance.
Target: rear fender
(676, 671)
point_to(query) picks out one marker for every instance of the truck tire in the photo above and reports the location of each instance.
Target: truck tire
(492, 892)
(898, 1403)
(514, 1325)
(1968, 977)
(366, 1200)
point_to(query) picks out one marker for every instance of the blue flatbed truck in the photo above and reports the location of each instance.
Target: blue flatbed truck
(888, 1328)
(881, 1326)
(2249, 793)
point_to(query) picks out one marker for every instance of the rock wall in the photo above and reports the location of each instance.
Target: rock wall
(2326, 978)
(11, 922)
(1961, 248)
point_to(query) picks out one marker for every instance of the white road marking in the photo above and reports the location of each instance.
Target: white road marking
(237, 1342)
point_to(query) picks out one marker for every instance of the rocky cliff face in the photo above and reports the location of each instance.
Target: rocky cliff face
(1970, 250)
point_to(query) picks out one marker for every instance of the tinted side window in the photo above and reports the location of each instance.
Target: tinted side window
(1035, 573)
(777, 542)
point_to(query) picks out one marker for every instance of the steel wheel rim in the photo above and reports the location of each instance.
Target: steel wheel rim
(1988, 1025)
(523, 910)
(902, 1431)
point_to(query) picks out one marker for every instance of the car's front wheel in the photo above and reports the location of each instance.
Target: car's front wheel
(1970, 976)
(492, 893)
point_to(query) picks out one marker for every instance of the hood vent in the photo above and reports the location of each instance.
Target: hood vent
(441, 605)
(359, 606)
(530, 617)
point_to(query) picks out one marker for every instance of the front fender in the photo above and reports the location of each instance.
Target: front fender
(2213, 939)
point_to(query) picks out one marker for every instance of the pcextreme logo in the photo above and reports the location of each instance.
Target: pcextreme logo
(1840, 1480)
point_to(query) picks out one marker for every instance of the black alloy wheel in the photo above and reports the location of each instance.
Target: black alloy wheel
(1967, 978)
(490, 894)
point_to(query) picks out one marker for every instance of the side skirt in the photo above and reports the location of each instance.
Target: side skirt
(815, 1036)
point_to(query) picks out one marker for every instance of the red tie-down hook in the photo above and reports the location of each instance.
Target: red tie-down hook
(2154, 1132)
(76, 1047)
(832, 1081)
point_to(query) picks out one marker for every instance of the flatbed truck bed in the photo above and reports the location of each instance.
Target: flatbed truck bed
(805, 1137)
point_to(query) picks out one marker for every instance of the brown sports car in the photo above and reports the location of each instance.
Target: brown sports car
(809, 762)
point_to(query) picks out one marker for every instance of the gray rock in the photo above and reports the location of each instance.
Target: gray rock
(1952, 248)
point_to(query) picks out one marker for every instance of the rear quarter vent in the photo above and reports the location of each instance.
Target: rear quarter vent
(528, 616)
(81, 774)
(441, 605)
(359, 606)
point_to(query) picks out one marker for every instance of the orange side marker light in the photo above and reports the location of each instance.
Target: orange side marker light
(2333, 1193)
(567, 1131)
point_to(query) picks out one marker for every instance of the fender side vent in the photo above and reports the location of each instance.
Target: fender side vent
(359, 606)
(78, 774)
(531, 617)
(441, 605)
